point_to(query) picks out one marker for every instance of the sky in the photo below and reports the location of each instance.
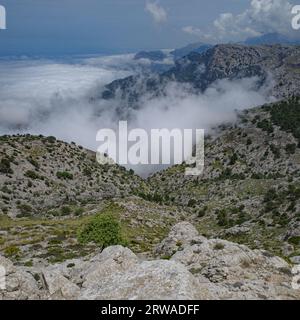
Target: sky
(62, 27)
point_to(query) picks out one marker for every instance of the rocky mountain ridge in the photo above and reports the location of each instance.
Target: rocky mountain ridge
(276, 64)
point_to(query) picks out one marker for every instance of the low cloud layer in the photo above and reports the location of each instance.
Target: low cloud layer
(263, 16)
(60, 99)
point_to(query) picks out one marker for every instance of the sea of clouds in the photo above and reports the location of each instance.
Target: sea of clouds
(57, 97)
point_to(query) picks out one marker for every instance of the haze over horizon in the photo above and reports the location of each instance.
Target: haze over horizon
(106, 27)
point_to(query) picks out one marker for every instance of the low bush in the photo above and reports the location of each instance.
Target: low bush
(64, 175)
(104, 230)
(11, 251)
(32, 175)
(5, 166)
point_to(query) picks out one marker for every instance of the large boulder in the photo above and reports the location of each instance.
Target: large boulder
(112, 260)
(160, 279)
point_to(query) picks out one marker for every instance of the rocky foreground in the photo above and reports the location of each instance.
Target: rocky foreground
(193, 268)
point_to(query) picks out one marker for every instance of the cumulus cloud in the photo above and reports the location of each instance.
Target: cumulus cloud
(263, 16)
(157, 12)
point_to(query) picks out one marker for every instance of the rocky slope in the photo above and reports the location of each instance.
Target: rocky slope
(45, 240)
(234, 221)
(41, 175)
(198, 268)
(250, 189)
(249, 192)
(275, 64)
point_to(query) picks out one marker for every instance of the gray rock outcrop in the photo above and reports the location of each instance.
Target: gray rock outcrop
(198, 269)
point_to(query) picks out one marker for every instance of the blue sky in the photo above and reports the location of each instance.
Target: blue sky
(50, 27)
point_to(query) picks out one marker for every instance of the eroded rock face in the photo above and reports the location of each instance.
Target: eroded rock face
(198, 268)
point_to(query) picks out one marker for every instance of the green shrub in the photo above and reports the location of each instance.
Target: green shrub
(65, 210)
(71, 265)
(276, 151)
(5, 166)
(294, 240)
(50, 139)
(28, 263)
(266, 125)
(226, 174)
(290, 148)
(233, 159)
(219, 246)
(79, 212)
(222, 218)
(87, 172)
(33, 162)
(286, 115)
(104, 230)
(249, 142)
(202, 212)
(11, 251)
(192, 203)
(25, 209)
(64, 175)
(2, 241)
(32, 175)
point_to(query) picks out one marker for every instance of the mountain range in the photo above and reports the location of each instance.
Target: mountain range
(200, 47)
(268, 63)
(71, 228)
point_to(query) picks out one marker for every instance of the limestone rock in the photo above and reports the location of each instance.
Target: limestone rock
(59, 286)
(180, 236)
(151, 280)
(112, 260)
(201, 269)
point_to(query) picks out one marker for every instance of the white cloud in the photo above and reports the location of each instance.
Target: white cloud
(263, 16)
(193, 31)
(53, 98)
(157, 12)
